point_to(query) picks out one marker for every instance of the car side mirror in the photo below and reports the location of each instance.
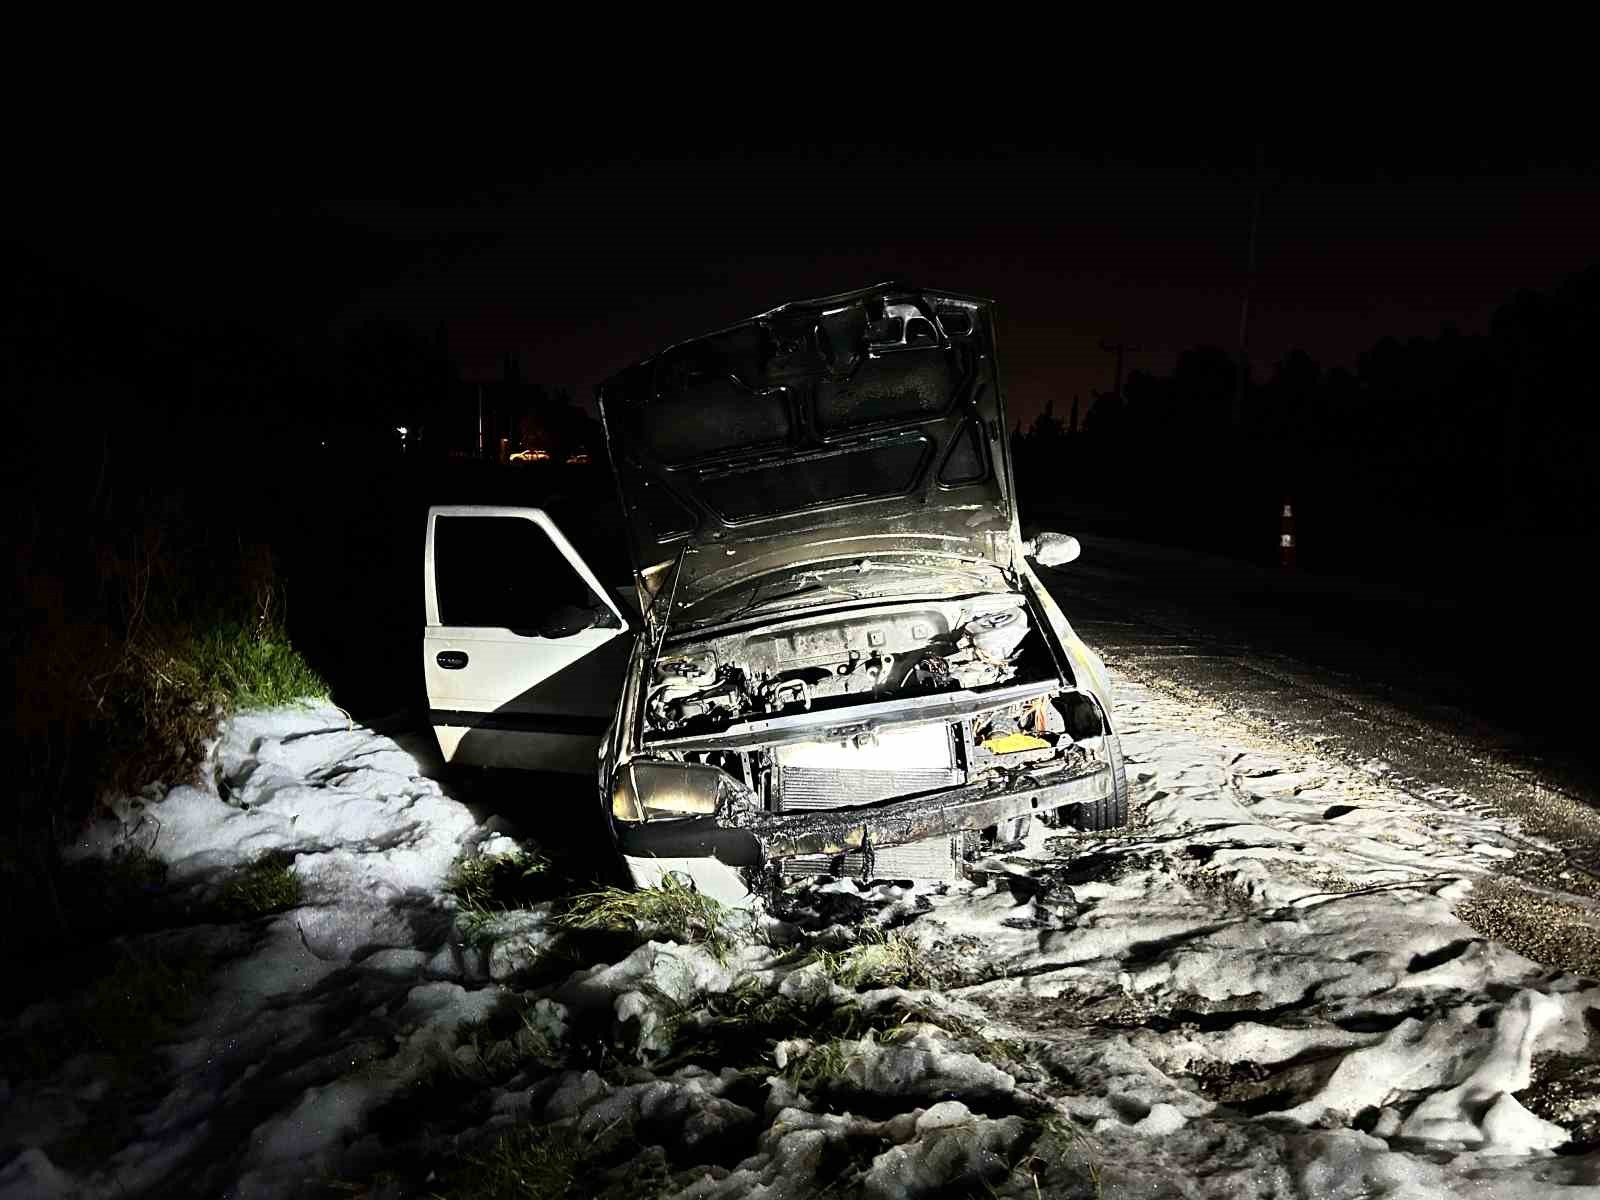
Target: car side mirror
(1052, 549)
(565, 621)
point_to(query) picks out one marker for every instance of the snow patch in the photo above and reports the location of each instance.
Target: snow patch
(1261, 986)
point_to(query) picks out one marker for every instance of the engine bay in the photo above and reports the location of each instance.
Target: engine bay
(1016, 733)
(833, 661)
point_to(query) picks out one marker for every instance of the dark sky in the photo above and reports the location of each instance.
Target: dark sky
(595, 263)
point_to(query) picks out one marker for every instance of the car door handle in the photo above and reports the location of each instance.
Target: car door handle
(451, 660)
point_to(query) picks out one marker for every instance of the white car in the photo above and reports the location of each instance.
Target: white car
(839, 661)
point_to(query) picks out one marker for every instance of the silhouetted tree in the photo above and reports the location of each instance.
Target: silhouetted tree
(1456, 430)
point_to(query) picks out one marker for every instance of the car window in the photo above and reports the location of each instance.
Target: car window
(503, 572)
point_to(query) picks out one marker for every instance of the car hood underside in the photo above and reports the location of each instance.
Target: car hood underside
(834, 429)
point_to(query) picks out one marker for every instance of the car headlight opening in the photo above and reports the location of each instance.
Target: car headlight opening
(643, 790)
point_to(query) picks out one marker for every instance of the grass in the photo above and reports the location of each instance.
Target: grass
(144, 998)
(118, 893)
(739, 1028)
(673, 908)
(264, 886)
(125, 1011)
(139, 631)
(497, 882)
(451, 1095)
(822, 1064)
(1059, 1142)
(124, 997)
(549, 1162)
(125, 1015)
(879, 959)
(744, 1025)
(489, 885)
(830, 1060)
(498, 1053)
(532, 1162)
(130, 711)
(249, 668)
(170, 686)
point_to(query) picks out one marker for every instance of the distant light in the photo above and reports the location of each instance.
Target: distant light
(401, 430)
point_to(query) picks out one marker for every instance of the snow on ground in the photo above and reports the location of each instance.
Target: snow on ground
(1261, 988)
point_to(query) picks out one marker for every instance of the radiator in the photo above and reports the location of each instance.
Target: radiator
(935, 858)
(898, 762)
(804, 789)
(845, 866)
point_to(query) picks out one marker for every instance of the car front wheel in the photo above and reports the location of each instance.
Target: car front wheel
(1111, 812)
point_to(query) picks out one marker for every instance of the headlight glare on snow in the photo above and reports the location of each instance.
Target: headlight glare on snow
(664, 789)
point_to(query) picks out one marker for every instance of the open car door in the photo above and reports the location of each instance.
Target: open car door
(525, 649)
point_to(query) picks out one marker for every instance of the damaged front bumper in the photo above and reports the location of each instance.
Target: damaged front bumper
(751, 838)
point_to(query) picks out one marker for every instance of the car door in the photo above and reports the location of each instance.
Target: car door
(525, 649)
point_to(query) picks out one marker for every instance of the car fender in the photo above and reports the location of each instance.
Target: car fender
(1088, 669)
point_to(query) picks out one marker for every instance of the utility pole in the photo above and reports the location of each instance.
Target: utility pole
(1249, 285)
(1120, 349)
(480, 420)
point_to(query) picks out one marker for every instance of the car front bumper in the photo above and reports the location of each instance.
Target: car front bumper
(755, 838)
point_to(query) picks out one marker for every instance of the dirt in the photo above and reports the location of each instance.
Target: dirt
(1556, 934)
(1566, 1090)
(1255, 1088)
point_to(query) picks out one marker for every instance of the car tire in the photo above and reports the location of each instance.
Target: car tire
(1112, 811)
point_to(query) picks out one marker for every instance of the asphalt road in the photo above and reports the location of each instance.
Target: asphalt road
(1395, 682)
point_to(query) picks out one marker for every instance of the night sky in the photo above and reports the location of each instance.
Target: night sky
(596, 263)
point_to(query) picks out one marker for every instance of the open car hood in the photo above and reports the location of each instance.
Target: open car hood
(868, 423)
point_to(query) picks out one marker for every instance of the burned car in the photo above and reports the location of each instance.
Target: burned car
(840, 659)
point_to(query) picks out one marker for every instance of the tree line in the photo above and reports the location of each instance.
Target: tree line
(1458, 433)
